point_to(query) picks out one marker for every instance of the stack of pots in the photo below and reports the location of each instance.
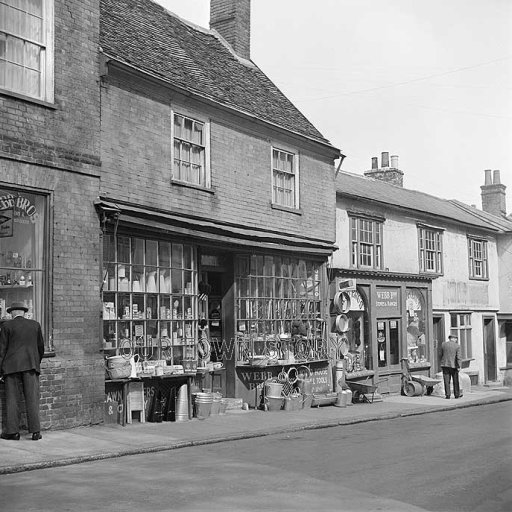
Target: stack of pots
(216, 404)
(203, 405)
(273, 396)
(182, 404)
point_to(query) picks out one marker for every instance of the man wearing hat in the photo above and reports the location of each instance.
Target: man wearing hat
(450, 364)
(21, 351)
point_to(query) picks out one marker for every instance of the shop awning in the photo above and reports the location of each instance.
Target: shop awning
(141, 218)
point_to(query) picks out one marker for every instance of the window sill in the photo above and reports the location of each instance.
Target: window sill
(185, 184)
(431, 274)
(28, 99)
(478, 278)
(295, 211)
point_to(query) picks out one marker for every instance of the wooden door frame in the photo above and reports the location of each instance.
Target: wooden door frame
(492, 322)
(436, 350)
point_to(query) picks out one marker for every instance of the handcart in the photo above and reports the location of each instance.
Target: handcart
(362, 390)
(413, 385)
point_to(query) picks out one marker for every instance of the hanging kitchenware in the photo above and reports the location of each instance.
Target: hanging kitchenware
(342, 323)
(342, 302)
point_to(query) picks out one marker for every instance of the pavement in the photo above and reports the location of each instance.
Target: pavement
(97, 442)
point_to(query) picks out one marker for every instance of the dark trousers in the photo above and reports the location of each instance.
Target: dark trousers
(451, 373)
(16, 384)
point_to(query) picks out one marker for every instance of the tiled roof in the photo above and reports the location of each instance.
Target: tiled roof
(143, 34)
(502, 223)
(353, 185)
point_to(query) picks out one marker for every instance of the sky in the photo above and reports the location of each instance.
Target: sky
(427, 80)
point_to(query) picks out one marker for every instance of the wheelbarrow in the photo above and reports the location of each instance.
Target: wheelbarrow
(362, 390)
(414, 385)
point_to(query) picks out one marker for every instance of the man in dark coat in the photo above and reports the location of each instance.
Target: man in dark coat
(21, 351)
(450, 364)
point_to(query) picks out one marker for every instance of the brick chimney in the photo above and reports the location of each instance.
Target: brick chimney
(232, 20)
(390, 174)
(493, 194)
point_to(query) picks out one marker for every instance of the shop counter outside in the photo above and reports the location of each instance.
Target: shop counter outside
(125, 383)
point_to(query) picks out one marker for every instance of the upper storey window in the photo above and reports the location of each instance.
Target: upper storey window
(190, 158)
(430, 250)
(26, 48)
(366, 242)
(284, 179)
(478, 268)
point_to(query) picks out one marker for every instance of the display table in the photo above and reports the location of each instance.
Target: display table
(123, 385)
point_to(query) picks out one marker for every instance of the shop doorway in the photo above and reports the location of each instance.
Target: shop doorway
(388, 343)
(388, 354)
(489, 350)
(216, 281)
(438, 334)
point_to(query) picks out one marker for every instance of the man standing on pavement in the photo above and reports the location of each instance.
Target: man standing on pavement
(21, 351)
(450, 363)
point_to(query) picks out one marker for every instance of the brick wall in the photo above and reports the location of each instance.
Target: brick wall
(56, 149)
(68, 134)
(136, 158)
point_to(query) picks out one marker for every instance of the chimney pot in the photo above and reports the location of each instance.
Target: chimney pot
(394, 161)
(496, 178)
(375, 162)
(385, 159)
(488, 178)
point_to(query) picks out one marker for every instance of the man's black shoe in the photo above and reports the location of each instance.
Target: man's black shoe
(447, 397)
(11, 437)
(36, 436)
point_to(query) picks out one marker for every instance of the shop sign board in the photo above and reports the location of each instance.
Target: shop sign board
(254, 378)
(386, 302)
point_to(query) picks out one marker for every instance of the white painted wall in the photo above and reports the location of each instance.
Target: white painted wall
(452, 291)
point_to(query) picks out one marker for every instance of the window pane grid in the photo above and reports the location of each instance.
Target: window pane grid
(22, 46)
(477, 250)
(430, 250)
(366, 236)
(283, 176)
(189, 151)
(460, 326)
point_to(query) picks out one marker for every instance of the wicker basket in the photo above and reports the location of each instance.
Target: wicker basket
(120, 372)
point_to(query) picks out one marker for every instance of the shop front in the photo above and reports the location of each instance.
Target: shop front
(380, 324)
(23, 253)
(185, 306)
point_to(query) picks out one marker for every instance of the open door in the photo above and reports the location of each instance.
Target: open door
(438, 334)
(490, 350)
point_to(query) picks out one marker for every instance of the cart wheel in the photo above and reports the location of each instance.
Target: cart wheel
(356, 397)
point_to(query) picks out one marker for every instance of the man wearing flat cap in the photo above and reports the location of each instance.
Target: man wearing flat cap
(450, 364)
(21, 351)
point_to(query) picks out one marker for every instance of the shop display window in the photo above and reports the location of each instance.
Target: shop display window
(23, 262)
(150, 303)
(350, 338)
(417, 345)
(278, 303)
